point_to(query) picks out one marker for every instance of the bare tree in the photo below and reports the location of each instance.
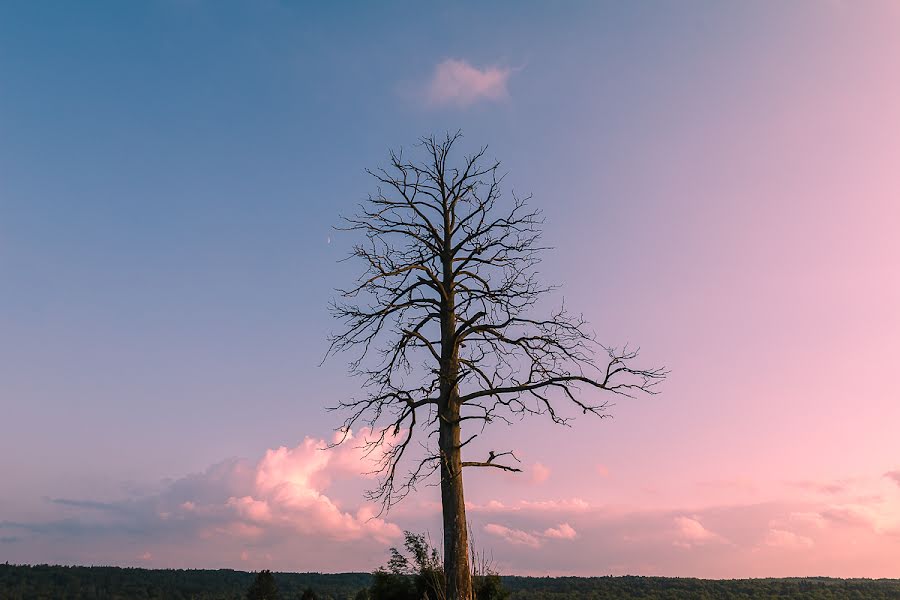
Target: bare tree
(440, 319)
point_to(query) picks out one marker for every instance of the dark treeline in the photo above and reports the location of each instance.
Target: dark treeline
(114, 583)
(559, 588)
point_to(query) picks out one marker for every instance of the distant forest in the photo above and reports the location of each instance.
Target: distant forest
(114, 583)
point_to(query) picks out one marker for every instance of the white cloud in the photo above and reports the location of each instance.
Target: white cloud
(459, 84)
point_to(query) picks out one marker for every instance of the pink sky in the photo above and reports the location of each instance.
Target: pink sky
(745, 232)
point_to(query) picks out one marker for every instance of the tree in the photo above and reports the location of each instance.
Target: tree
(309, 594)
(440, 319)
(412, 573)
(486, 582)
(263, 587)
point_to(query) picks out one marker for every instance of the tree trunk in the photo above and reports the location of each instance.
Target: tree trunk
(456, 543)
(456, 539)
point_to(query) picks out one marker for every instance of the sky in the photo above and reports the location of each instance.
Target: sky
(720, 187)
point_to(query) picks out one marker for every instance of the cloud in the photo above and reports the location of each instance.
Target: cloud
(564, 505)
(781, 538)
(297, 508)
(875, 517)
(893, 476)
(88, 504)
(457, 83)
(513, 536)
(820, 487)
(602, 470)
(563, 531)
(539, 473)
(283, 494)
(809, 519)
(691, 532)
(534, 539)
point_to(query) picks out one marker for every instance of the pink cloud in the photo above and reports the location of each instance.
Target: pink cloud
(539, 473)
(253, 510)
(289, 491)
(563, 531)
(810, 519)
(874, 516)
(893, 476)
(301, 501)
(827, 487)
(691, 532)
(513, 536)
(569, 505)
(602, 470)
(457, 83)
(286, 492)
(781, 538)
(534, 539)
(566, 505)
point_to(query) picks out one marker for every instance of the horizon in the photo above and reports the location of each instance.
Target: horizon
(327, 573)
(720, 189)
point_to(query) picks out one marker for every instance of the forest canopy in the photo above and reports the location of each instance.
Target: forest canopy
(43, 582)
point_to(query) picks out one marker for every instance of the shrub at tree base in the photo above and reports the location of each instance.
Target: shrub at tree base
(417, 574)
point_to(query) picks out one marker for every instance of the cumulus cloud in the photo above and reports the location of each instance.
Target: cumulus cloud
(691, 532)
(287, 491)
(459, 84)
(283, 494)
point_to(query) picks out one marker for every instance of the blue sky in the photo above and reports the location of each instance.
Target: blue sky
(171, 173)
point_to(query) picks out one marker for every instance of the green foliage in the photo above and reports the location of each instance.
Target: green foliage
(414, 573)
(362, 594)
(390, 586)
(309, 594)
(263, 587)
(489, 587)
(43, 582)
(677, 588)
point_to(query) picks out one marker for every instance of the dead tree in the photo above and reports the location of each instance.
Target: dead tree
(441, 321)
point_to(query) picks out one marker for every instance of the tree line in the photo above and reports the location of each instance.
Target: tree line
(50, 582)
